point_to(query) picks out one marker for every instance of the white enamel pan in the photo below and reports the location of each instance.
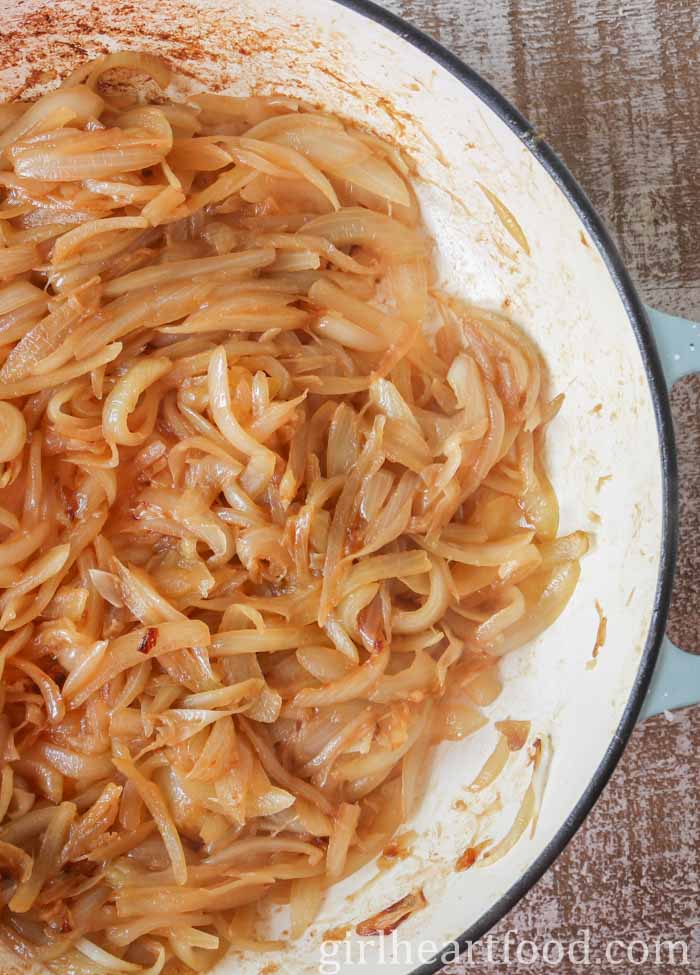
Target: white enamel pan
(611, 448)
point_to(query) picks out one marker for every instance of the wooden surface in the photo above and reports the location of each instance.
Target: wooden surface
(613, 85)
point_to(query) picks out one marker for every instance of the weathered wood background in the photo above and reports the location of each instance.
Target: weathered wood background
(615, 87)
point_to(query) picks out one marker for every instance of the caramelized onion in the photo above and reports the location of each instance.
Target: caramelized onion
(273, 506)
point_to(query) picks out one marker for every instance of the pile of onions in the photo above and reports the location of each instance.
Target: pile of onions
(263, 540)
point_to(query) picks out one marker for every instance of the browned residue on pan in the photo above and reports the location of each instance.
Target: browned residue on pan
(471, 855)
(600, 637)
(399, 848)
(389, 919)
(62, 36)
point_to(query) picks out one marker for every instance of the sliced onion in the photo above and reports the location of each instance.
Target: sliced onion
(91, 71)
(522, 819)
(304, 903)
(46, 860)
(355, 226)
(82, 104)
(104, 958)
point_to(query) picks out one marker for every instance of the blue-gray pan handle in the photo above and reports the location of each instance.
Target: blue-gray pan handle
(676, 680)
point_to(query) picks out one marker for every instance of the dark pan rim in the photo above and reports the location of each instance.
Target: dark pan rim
(657, 384)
